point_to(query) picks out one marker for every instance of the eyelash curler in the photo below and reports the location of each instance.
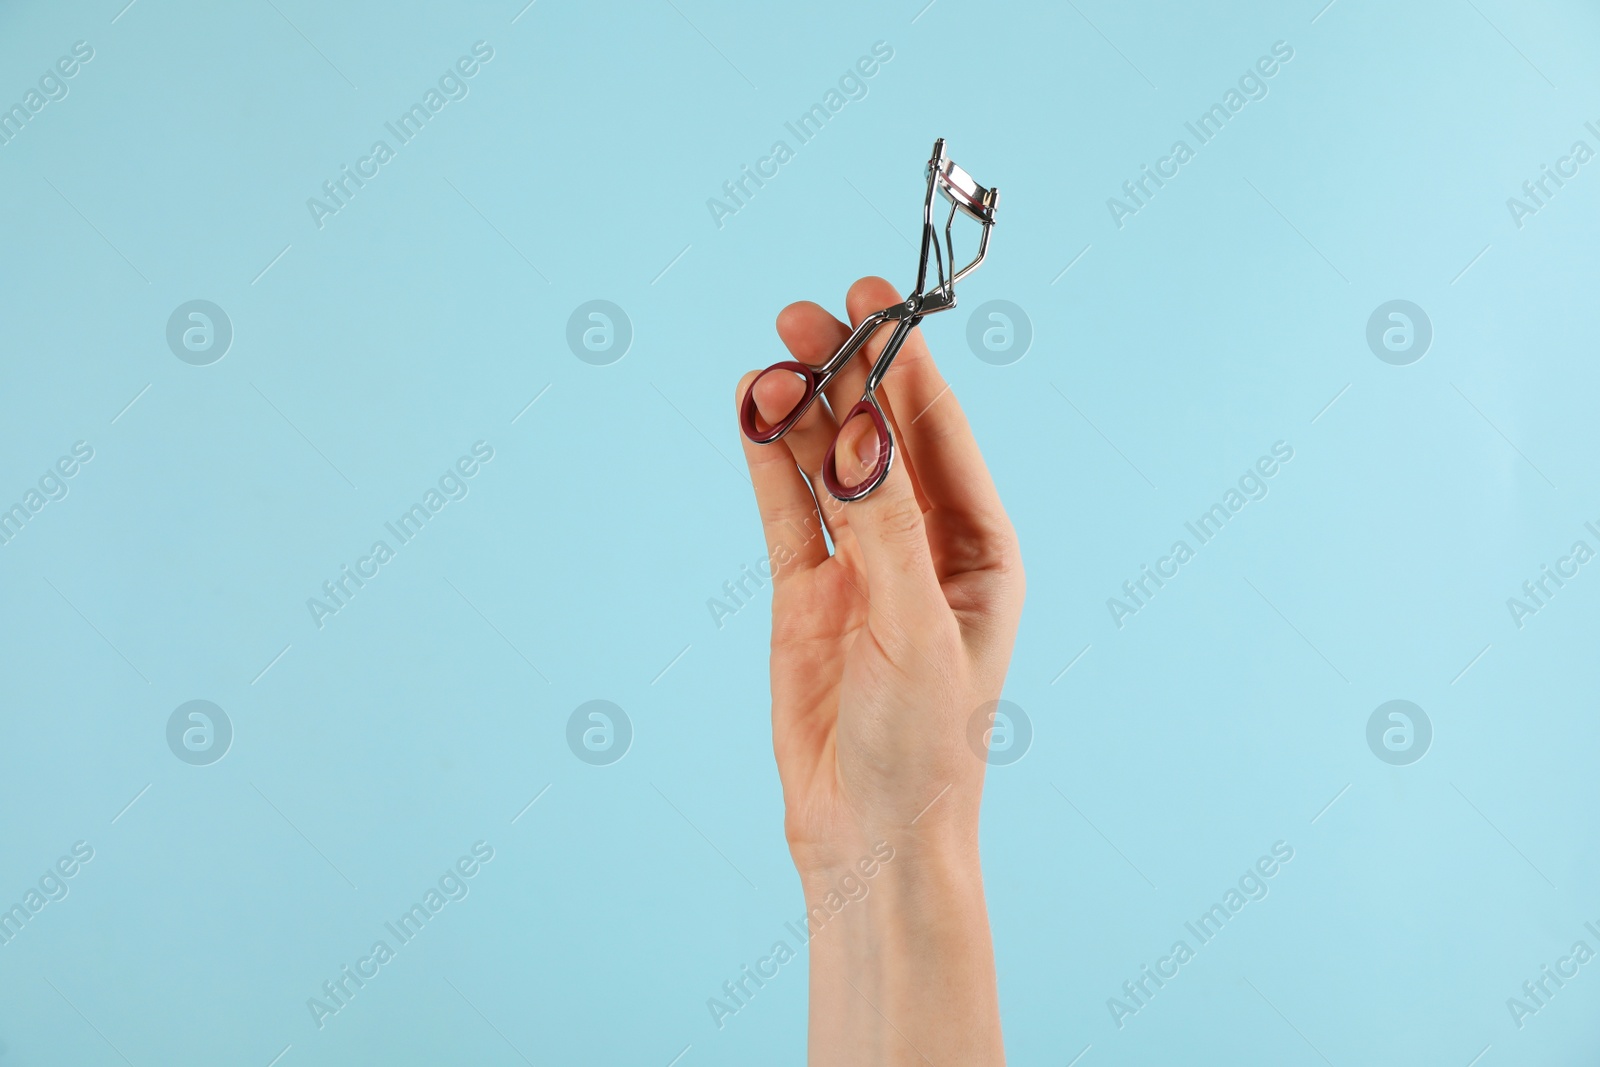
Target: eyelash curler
(972, 200)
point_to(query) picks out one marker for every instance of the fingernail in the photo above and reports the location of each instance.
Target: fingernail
(777, 394)
(857, 452)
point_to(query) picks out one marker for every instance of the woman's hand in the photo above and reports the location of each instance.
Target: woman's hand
(883, 653)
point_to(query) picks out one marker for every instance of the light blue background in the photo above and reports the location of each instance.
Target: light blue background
(1223, 317)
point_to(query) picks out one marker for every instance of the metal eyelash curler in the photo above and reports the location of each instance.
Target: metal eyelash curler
(974, 201)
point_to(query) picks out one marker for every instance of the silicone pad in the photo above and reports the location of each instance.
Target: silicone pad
(749, 417)
(880, 470)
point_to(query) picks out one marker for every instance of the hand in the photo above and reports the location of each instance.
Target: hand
(882, 653)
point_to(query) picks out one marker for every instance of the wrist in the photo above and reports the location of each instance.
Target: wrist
(909, 945)
(939, 840)
(903, 871)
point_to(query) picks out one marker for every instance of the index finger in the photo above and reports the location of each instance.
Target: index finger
(789, 516)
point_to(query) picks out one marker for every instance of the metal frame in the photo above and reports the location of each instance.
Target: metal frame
(971, 199)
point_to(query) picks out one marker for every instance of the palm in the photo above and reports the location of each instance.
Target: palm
(882, 649)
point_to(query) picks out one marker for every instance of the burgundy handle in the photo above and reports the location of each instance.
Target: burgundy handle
(868, 405)
(748, 414)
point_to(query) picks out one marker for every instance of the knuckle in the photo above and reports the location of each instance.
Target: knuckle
(1013, 580)
(867, 294)
(914, 356)
(1008, 550)
(1007, 565)
(984, 543)
(899, 522)
(943, 425)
